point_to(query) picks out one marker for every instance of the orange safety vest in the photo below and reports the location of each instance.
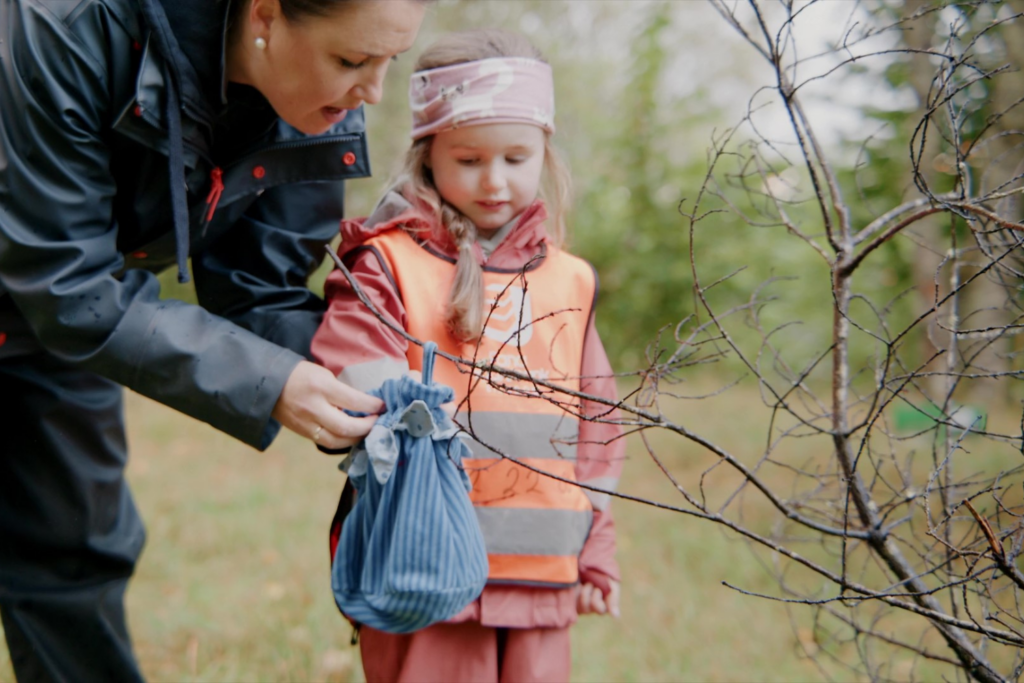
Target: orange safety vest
(534, 526)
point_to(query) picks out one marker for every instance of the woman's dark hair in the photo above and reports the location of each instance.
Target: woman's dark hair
(294, 10)
(297, 10)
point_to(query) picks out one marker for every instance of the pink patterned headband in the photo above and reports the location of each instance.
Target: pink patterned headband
(498, 90)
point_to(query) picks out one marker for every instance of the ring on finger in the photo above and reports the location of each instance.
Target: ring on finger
(316, 434)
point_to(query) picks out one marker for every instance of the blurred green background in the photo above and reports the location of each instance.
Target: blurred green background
(234, 582)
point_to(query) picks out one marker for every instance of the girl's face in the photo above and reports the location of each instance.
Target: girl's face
(491, 173)
(313, 70)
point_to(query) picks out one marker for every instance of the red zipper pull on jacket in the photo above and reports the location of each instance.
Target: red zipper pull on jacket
(216, 190)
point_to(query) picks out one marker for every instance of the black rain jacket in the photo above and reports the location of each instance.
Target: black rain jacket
(90, 172)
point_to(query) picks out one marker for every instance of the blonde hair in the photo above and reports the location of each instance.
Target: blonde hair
(465, 311)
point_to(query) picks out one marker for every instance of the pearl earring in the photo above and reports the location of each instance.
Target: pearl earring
(261, 43)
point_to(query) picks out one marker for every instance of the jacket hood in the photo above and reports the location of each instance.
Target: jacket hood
(396, 211)
(199, 30)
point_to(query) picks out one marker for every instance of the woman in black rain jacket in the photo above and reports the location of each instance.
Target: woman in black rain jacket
(135, 134)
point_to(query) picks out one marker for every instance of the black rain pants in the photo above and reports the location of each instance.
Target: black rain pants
(69, 531)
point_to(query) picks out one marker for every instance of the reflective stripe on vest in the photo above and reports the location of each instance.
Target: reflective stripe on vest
(536, 321)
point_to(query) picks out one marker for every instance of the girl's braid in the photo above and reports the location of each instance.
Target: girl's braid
(464, 313)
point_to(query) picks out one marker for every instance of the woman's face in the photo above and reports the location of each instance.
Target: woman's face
(314, 69)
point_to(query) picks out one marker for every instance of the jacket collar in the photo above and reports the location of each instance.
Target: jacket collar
(396, 211)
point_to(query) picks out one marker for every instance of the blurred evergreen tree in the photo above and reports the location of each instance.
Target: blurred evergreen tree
(627, 219)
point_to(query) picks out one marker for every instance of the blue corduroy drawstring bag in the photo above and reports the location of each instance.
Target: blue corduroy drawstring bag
(411, 553)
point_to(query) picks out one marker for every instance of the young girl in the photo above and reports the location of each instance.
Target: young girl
(462, 252)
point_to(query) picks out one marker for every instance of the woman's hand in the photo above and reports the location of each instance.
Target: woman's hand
(590, 599)
(311, 406)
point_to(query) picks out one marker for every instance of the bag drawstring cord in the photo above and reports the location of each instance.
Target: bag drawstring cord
(429, 349)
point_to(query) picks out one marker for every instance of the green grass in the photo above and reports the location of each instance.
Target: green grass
(234, 586)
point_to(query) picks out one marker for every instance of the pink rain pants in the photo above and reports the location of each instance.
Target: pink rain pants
(466, 653)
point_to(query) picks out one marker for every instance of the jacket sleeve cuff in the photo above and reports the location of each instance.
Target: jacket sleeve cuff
(597, 559)
(599, 579)
(265, 400)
